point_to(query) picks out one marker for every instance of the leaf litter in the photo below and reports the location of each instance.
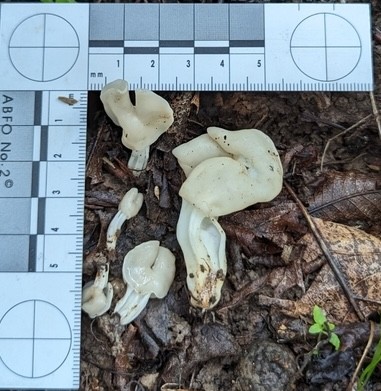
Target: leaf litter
(359, 257)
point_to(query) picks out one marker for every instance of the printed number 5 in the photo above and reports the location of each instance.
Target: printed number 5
(259, 63)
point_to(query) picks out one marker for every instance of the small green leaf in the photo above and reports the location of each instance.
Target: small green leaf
(331, 326)
(315, 329)
(335, 341)
(319, 315)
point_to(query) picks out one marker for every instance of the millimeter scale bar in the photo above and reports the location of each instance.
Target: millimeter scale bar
(49, 52)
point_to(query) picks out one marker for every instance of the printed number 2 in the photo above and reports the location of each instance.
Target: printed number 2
(152, 63)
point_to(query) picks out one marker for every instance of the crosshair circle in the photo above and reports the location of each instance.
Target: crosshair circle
(44, 47)
(325, 47)
(35, 338)
(8, 183)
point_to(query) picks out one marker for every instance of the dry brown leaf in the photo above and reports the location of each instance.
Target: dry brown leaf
(349, 197)
(358, 255)
(285, 278)
(276, 225)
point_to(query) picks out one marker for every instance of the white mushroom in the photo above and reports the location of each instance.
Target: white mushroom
(142, 124)
(148, 271)
(192, 153)
(252, 173)
(128, 208)
(97, 295)
(248, 171)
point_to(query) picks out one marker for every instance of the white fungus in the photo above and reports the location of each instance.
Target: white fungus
(129, 207)
(252, 172)
(142, 123)
(97, 295)
(247, 171)
(148, 271)
(191, 154)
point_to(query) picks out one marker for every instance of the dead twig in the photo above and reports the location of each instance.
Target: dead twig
(247, 290)
(330, 259)
(134, 385)
(119, 170)
(111, 370)
(364, 354)
(357, 124)
(345, 161)
(102, 128)
(367, 300)
(375, 112)
(311, 117)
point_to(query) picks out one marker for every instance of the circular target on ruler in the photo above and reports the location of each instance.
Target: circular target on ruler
(44, 47)
(325, 47)
(35, 338)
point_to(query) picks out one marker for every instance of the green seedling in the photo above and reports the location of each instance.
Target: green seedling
(323, 328)
(368, 371)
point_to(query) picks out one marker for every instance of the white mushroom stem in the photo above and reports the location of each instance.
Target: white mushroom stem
(97, 295)
(202, 241)
(131, 305)
(129, 207)
(148, 271)
(138, 160)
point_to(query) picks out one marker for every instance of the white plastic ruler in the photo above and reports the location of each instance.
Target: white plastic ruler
(48, 51)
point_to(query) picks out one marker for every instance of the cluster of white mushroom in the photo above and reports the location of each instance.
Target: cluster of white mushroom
(148, 269)
(226, 171)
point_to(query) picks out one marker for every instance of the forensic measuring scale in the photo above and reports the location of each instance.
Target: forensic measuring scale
(51, 55)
